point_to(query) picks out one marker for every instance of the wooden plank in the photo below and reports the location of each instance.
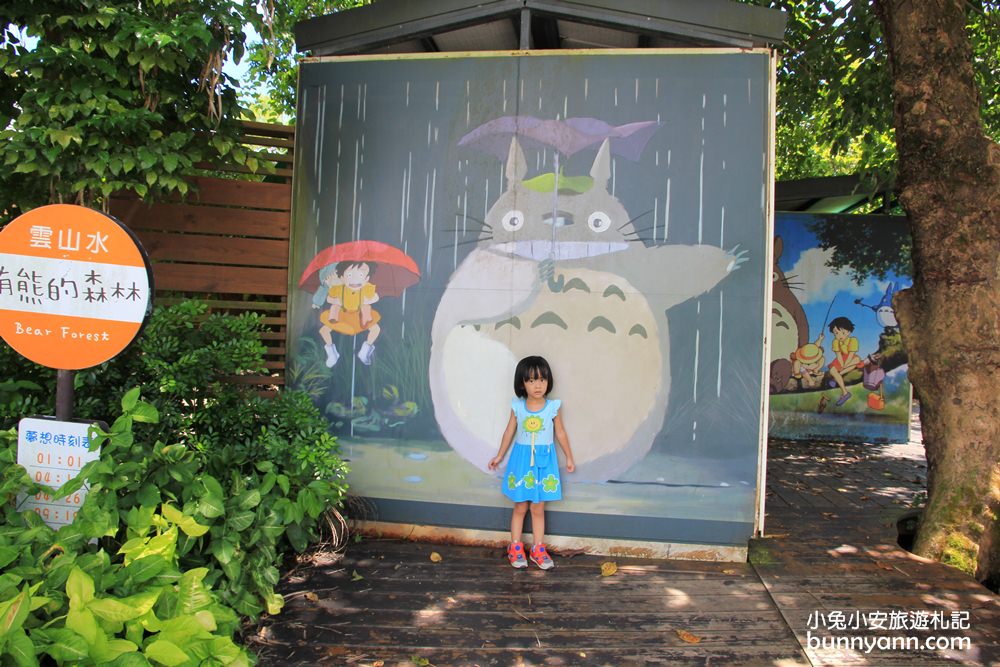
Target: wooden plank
(336, 600)
(210, 190)
(222, 279)
(268, 169)
(306, 653)
(285, 158)
(267, 141)
(267, 129)
(562, 636)
(214, 249)
(223, 192)
(190, 218)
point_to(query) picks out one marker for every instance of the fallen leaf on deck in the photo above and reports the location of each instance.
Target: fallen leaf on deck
(865, 498)
(688, 637)
(730, 572)
(378, 663)
(435, 557)
(312, 597)
(355, 576)
(608, 568)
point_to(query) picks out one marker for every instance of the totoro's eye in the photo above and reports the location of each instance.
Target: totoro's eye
(513, 220)
(599, 221)
(774, 276)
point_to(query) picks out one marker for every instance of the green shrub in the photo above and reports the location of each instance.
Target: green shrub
(220, 481)
(65, 600)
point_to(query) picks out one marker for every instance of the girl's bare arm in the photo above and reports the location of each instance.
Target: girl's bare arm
(508, 437)
(563, 440)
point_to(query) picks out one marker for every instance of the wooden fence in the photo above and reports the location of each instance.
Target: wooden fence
(227, 242)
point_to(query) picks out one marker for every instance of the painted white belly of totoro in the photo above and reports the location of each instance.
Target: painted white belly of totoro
(609, 360)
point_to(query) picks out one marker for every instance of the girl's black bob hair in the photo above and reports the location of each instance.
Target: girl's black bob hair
(531, 368)
(841, 323)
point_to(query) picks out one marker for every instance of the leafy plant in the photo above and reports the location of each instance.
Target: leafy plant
(64, 599)
(203, 488)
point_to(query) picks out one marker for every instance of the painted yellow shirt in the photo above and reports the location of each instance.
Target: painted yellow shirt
(352, 299)
(845, 347)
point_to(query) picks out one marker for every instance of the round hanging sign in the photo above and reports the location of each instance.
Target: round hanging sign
(75, 286)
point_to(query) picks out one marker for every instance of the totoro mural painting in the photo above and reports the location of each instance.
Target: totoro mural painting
(604, 210)
(837, 366)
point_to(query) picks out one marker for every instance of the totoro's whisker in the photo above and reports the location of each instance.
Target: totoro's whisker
(483, 225)
(469, 218)
(466, 242)
(641, 215)
(464, 231)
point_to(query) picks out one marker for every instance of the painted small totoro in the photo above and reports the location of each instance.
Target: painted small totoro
(563, 275)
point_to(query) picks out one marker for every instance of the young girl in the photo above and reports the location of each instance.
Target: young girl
(845, 354)
(532, 476)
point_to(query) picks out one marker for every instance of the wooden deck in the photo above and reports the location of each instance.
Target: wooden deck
(831, 521)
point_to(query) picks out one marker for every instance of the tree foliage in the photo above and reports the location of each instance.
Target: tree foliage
(273, 62)
(863, 251)
(834, 112)
(98, 96)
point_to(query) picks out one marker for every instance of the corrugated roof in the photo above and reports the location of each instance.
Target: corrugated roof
(461, 25)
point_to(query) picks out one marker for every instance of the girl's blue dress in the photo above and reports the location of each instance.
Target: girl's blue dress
(538, 481)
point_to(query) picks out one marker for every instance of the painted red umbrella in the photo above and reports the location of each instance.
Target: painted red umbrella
(393, 270)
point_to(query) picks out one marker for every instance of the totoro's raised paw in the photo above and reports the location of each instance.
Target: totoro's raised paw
(738, 258)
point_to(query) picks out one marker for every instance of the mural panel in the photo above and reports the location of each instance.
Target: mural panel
(837, 368)
(605, 211)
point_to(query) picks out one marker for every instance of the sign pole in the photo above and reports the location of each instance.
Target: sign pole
(64, 394)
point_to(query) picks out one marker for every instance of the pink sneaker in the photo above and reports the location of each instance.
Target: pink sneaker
(515, 554)
(540, 557)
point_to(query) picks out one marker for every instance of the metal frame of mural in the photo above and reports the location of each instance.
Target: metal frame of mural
(607, 210)
(837, 364)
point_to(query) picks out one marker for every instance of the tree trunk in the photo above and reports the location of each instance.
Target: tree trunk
(949, 180)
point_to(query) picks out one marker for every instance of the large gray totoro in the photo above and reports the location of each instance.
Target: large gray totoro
(555, 274)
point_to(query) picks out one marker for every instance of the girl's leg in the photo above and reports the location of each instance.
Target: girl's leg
(839, 379)
(373, 333)
(538, 522)
(517, 520)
